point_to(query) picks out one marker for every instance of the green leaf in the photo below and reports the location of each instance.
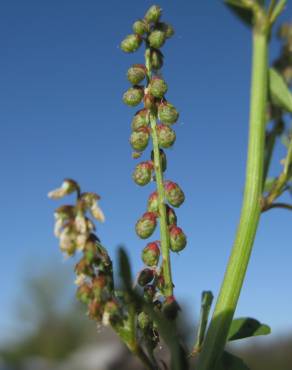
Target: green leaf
(125, 268)
(247, 327)
(279, 91)
(240, 11)
(231, 362)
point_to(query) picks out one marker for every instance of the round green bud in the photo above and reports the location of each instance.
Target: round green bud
(167, 113)
(162, 157)
(156, 59)
(153, 14)
(177, 238)
(144, 321)
(156, 39)
(136, 73)
(174, 194)
(151, 254)
(158, 87)
(153, 202)
(140, 119)
(131, 43)
(143, 173)
(166, 28)
(140, 138)
(166, 136)
(146, 225)
(140, 27)
(133, 96)
(145, 277)
(171, 216)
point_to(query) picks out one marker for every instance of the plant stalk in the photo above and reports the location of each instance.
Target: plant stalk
(251, 209)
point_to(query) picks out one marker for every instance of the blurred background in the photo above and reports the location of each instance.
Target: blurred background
(62, 76)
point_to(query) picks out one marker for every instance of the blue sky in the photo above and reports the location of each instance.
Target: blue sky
(62, 76)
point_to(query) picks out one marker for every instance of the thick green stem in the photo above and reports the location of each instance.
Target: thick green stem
(164, 233)
(251, 209)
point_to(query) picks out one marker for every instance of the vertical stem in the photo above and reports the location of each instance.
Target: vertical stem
(250, 214)
(164, 233)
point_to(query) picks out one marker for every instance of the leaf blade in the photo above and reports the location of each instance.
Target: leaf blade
(279, 91)
(247, 327)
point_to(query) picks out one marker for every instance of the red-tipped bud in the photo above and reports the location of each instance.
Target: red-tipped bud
(136, 73)
(156, 59)
(84, 293)
(140, 138)
(170, 308)
(146, 225)
(133, 96)
(131, 43)
(174, 195)
(149, 293)
(156, 39)
(166, 136)
(153, 14)
(167, 113)
(143, 173)
(170, 215)
(153, 204)
(144, 321)
(140, 27)
(151, 254)
(140, 119)
(178, 239)
(158, 87)
(95, 310)
(145, 277)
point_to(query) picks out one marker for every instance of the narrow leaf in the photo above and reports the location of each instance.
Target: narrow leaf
(278, 10)
(279, 91)
(247, 327)
(240, 11)
(125, 269)
(231, 362)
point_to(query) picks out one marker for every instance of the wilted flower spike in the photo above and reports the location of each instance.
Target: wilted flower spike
(68, 186)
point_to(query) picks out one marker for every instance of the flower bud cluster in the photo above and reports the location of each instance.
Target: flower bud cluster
(76, 232)
(149, 88)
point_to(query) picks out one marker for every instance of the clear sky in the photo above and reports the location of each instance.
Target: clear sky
(62, 76)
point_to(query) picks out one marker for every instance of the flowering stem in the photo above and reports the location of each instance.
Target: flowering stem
(234, 276)
(164, 233)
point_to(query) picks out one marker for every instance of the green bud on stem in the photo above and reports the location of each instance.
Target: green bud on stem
(156, 39)
(151, 254)
(146, 225)
(158, 87)
(166, 136)
(140, 138)
(136, 73)
(131, 43)
(133, 96)
(143, 173)
(178, 239)
(167, 113)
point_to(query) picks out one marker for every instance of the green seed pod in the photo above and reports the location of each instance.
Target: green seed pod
(174, 195)
(171, 216)
(158, 87)
(178, 239)
(166, 28)
(149, 293)
(153, 14)
(131, 43)
(145, 277)
(136, 73)
(146, 225)
(156, 59)
(140, 27)
(133, 96)
(170, 308)
(167, 113)
(166, 136)
(140, 119)
(162, 157)
(156, 39)
(151, 254)
(84, 293)
(144, 321)
(140, 139)
(143, 173)
(152, 205)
